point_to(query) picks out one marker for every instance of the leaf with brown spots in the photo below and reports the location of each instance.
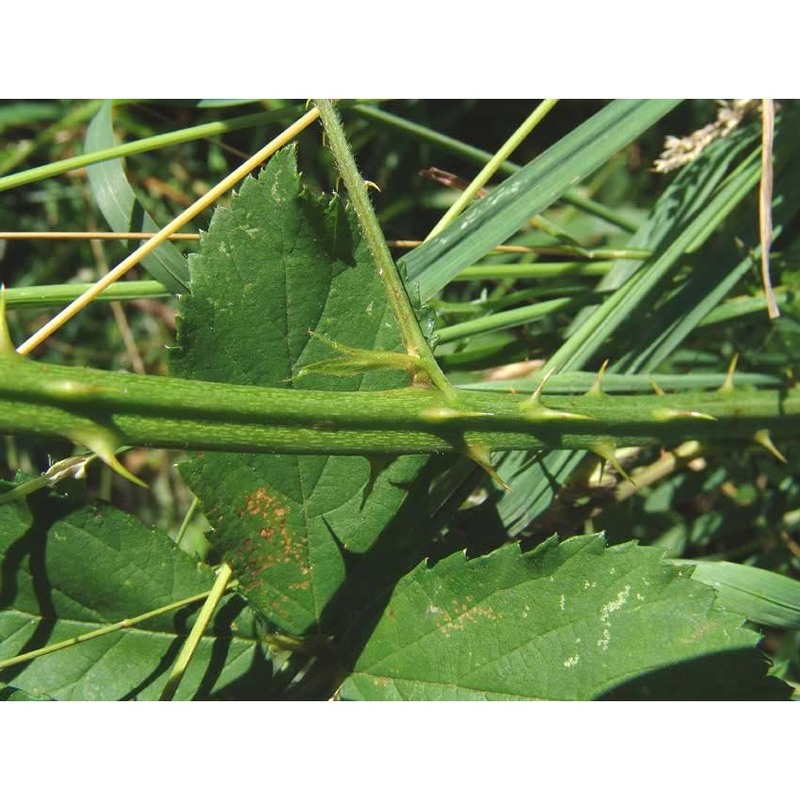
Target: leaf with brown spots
(566, 621)
(278, 267)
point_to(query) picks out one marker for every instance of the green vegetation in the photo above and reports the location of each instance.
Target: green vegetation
(535, 443)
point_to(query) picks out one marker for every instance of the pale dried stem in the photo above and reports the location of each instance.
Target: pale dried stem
(765, 202)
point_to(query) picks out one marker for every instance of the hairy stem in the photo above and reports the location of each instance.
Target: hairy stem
(413, 338)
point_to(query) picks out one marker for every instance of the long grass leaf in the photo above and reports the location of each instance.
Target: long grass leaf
(535, 187)
(478, 156)
(123, 211)
(760, 595)
(143, 145)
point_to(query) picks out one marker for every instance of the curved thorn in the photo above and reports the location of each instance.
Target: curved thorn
(535, 399)
(481, 455)
(668, 414)
(656, 388)
(763, 439)
(539, 413)
(727, 385)
(103, 446)
(606, 449)
(597, 386)
(537, 392)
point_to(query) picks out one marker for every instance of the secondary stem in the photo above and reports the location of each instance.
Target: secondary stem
(413, 338)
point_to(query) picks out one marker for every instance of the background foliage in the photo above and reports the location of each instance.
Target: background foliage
(350, 579)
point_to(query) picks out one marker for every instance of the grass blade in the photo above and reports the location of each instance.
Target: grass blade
(478, 156)
(535, 187)
(122, 209)
(762, 596)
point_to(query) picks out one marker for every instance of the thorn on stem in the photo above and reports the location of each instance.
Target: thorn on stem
(606, 449)
(727, 385)
(481, 455)
(763, 439)
(656, 388)
(597, 386)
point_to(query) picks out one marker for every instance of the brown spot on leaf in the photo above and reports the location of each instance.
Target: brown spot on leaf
(278, 544)
(464, 614)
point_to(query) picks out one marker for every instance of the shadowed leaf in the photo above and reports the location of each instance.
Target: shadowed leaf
(70, 571)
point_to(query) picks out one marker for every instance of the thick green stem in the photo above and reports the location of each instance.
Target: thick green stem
(103, 410)
(413, 338)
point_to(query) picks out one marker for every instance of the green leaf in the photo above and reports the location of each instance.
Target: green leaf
(123, 211)
(70, 571)
(536, 186)
(279, 276)
(760, 595)
(567, 621)
(12, 694)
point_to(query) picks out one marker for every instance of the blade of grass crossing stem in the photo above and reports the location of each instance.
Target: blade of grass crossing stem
(485, 175)
(478, 156)
(501, 320)
(60, 293)
(536, 186)
(113, 628)
(594, 332)
(762, 596)
(196, 634)
(143, 145)
(199, 205)
(123, 210)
